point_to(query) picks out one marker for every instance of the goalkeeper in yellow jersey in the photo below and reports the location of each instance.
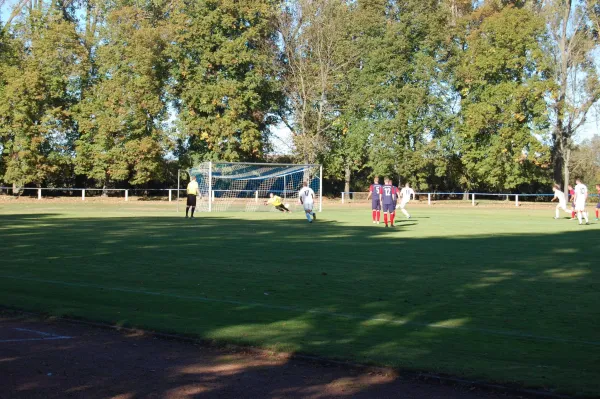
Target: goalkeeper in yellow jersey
(276, 201)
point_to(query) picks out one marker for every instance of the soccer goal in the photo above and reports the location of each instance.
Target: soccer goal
(237, 186)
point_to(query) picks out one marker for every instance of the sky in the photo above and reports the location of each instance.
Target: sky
(282, 137)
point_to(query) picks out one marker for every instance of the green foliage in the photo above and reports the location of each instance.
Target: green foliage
(224, 76)
(121, 116)
(39, 65)
(502, 80)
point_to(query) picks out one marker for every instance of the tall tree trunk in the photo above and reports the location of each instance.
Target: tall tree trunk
(566, 171)
(347, 175)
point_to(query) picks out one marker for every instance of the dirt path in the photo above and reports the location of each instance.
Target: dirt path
(58, 359)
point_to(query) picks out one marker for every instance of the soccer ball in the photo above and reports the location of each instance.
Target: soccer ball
(287, 206)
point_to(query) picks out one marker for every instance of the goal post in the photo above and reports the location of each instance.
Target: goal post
(244, 186)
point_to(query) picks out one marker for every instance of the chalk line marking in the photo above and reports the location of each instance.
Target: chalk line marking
(45, 336)
(505, 333)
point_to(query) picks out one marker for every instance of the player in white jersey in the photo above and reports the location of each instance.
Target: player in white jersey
(405, 194)
(306, 196)
(581, 194)
(562, 200)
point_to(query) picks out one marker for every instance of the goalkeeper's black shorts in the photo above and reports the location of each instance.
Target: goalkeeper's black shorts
(191, 200)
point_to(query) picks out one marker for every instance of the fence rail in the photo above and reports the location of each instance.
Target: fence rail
(125, 191)
(348, 197)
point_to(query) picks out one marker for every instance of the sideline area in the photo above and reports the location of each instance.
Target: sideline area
(93, 362)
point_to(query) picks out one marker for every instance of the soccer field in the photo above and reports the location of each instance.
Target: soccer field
(504, 295)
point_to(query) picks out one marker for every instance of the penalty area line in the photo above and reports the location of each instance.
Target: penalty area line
(364, 318)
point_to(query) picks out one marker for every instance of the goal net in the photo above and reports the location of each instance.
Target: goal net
(233, 186)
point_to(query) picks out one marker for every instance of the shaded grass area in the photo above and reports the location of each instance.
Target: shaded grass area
(503, 295)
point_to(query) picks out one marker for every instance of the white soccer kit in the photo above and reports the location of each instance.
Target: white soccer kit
(562, 201)
(581, 192)
(406, 193)
(307, 196)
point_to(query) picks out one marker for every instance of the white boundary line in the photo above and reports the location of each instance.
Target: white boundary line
(46, 336)
(34, 339)
(506, 333)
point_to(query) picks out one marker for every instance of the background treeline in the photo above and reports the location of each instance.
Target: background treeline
(446, 94)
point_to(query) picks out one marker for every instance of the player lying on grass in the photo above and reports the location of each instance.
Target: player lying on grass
(562, 200)
(375, 195)
(389, 196)
(581, 194)
(306, 196)
(598, 204)
(405, 194)
(276, 201)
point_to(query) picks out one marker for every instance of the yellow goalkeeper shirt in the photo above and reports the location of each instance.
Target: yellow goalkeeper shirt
(192, 188)
(276, 200)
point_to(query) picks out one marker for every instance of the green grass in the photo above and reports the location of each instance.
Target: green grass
(505, 295)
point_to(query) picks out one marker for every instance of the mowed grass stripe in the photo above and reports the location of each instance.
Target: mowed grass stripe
(470, 270)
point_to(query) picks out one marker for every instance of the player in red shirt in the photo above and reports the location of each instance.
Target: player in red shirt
(389, 196)
(572, 200)
(375, 195)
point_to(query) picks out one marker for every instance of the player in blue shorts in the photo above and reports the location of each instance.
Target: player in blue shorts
(389, 196)
(375, 195)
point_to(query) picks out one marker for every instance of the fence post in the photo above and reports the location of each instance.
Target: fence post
(39, 193)
(473, 199)
(126, 195)
(429, 199)
(256, 196)
(170, 195)
(83, 194)
(517, 200)
(342, 197)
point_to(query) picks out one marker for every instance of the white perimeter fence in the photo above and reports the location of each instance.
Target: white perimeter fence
(170, 193)
(473, 198)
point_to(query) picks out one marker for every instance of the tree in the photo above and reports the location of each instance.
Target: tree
(585, 161)
(316, 54)
(225, 79)
(502, 80)
(121, 116)
(573, 30)
(41, 62)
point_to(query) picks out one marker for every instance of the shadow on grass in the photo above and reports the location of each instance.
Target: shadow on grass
(508, 308)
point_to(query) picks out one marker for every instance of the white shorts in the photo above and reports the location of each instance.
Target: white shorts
(562, 205)
(403, 204)
(308, 206)
(580, 206)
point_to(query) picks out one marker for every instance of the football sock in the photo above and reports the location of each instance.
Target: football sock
(193, 209)
(378, 216)
(393, 216)
(385, 218)
(579, 217)
(557, 213)
(572, 214)
(596, 213)
(308, 216)
(187, 208)
(405, 212)
(374, 216)
(585, 215)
